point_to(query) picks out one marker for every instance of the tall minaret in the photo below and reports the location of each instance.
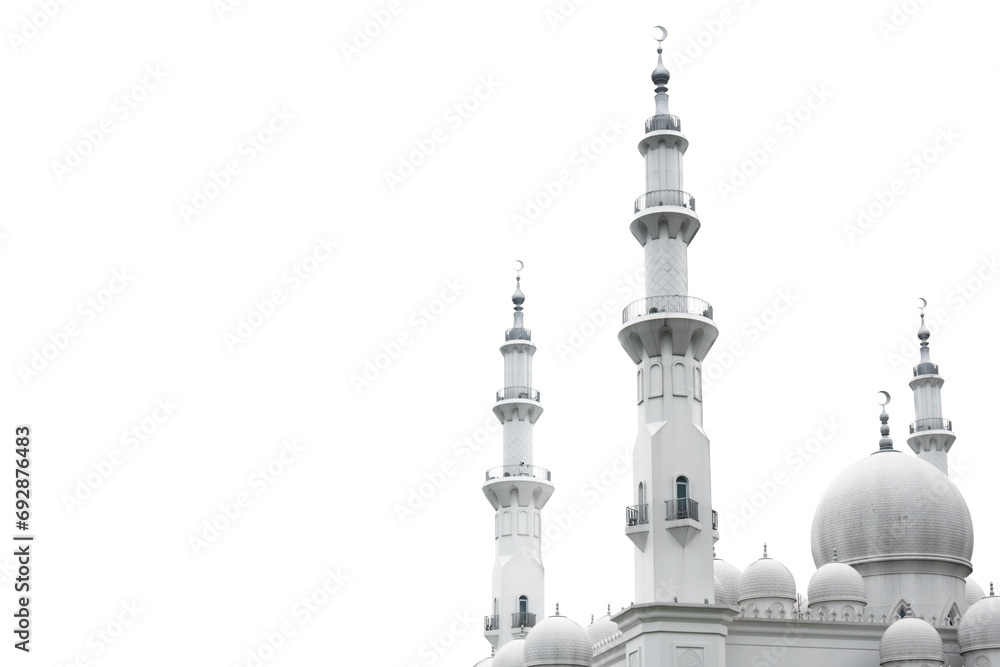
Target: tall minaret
(667, 334)
(518, 490)
(930, 435)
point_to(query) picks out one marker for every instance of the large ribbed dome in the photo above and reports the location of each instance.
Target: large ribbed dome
(510, 654)
(892, 505)
(557, 641)
(766, 578)
(910, 639)
(730, 578)
(720, 592)
(973, 593)
(837, 582)
(488, 662)
(980, 627)
(601, 629)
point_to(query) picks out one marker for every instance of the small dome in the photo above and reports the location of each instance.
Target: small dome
(979, 629)
(910, 639)
(510, 654)
(720, 592)
(837, 581)
(488, 662)
(557, 641)
(973, 593)
(601, 629)
(892, 505)
(730, 578)
(766, 578)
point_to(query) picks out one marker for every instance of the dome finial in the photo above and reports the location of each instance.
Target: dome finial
(835, 554)
(591, 619)
(518, 297)
(885, 442)
(557, 608)
(765, 549)
(991, 589)
(660, 75)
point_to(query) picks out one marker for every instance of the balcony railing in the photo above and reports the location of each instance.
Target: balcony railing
(664, 198)
(668, 303)
(663, 122)
(518, 333)
(715, 520)
(491, 623)
(682, 508)
(636, 514)
(518, 471)
(522, 618)
(510, 393)
(931, 424)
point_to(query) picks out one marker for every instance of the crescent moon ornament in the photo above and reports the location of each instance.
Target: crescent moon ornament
(923, 303)
(518, 265)
(659, 33)
(886, 396)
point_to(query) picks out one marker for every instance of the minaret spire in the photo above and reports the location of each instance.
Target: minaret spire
(931, 436)
(517, 490)
(885, 442)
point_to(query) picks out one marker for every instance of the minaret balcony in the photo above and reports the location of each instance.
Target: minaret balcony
(521, 470)
(517, 333)
(682, 519)
(667, 303)
(663, 122)
(636, 515)
(664, 198)
(522, 619)
(491, 623)
(930, 424)
(515, 393)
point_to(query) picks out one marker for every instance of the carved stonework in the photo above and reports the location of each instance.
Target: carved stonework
(982, 661)
(689, 659)
(633, 659)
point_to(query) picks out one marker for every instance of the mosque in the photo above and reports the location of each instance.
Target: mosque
(892, 586)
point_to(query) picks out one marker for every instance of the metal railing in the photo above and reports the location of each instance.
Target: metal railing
(682, 508)
(667, 303)
(663, 121)
(664, 198)
(522, 619)
(518, 333)
(491, 623)
(931, 424)
(520, 470)
(636, 514)
(715, 520)
(510, 393)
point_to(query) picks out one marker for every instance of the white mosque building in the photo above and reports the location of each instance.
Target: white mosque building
(892, 536)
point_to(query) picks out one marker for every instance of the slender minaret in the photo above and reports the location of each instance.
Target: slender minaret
(667, 334)
(518, 490)
(930, 434)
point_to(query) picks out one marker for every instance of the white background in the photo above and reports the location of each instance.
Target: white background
(357, 115)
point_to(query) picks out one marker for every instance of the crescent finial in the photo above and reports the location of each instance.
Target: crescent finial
(659, 33)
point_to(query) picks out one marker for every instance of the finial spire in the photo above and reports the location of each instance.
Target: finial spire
(885, 442)
(835, 554)
(924, 335)
(609, 608)
(991, 589)
(765, 549)
(557, 608)
(591, 619)
(660, 75)
(518, 297)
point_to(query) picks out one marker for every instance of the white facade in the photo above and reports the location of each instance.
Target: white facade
(892, 537)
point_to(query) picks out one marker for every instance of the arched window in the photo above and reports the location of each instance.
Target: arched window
(678, 380)
(522, 523)
(655, 380)
(682, 498)
(505, 524)
(521, 617)
(642, 494)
